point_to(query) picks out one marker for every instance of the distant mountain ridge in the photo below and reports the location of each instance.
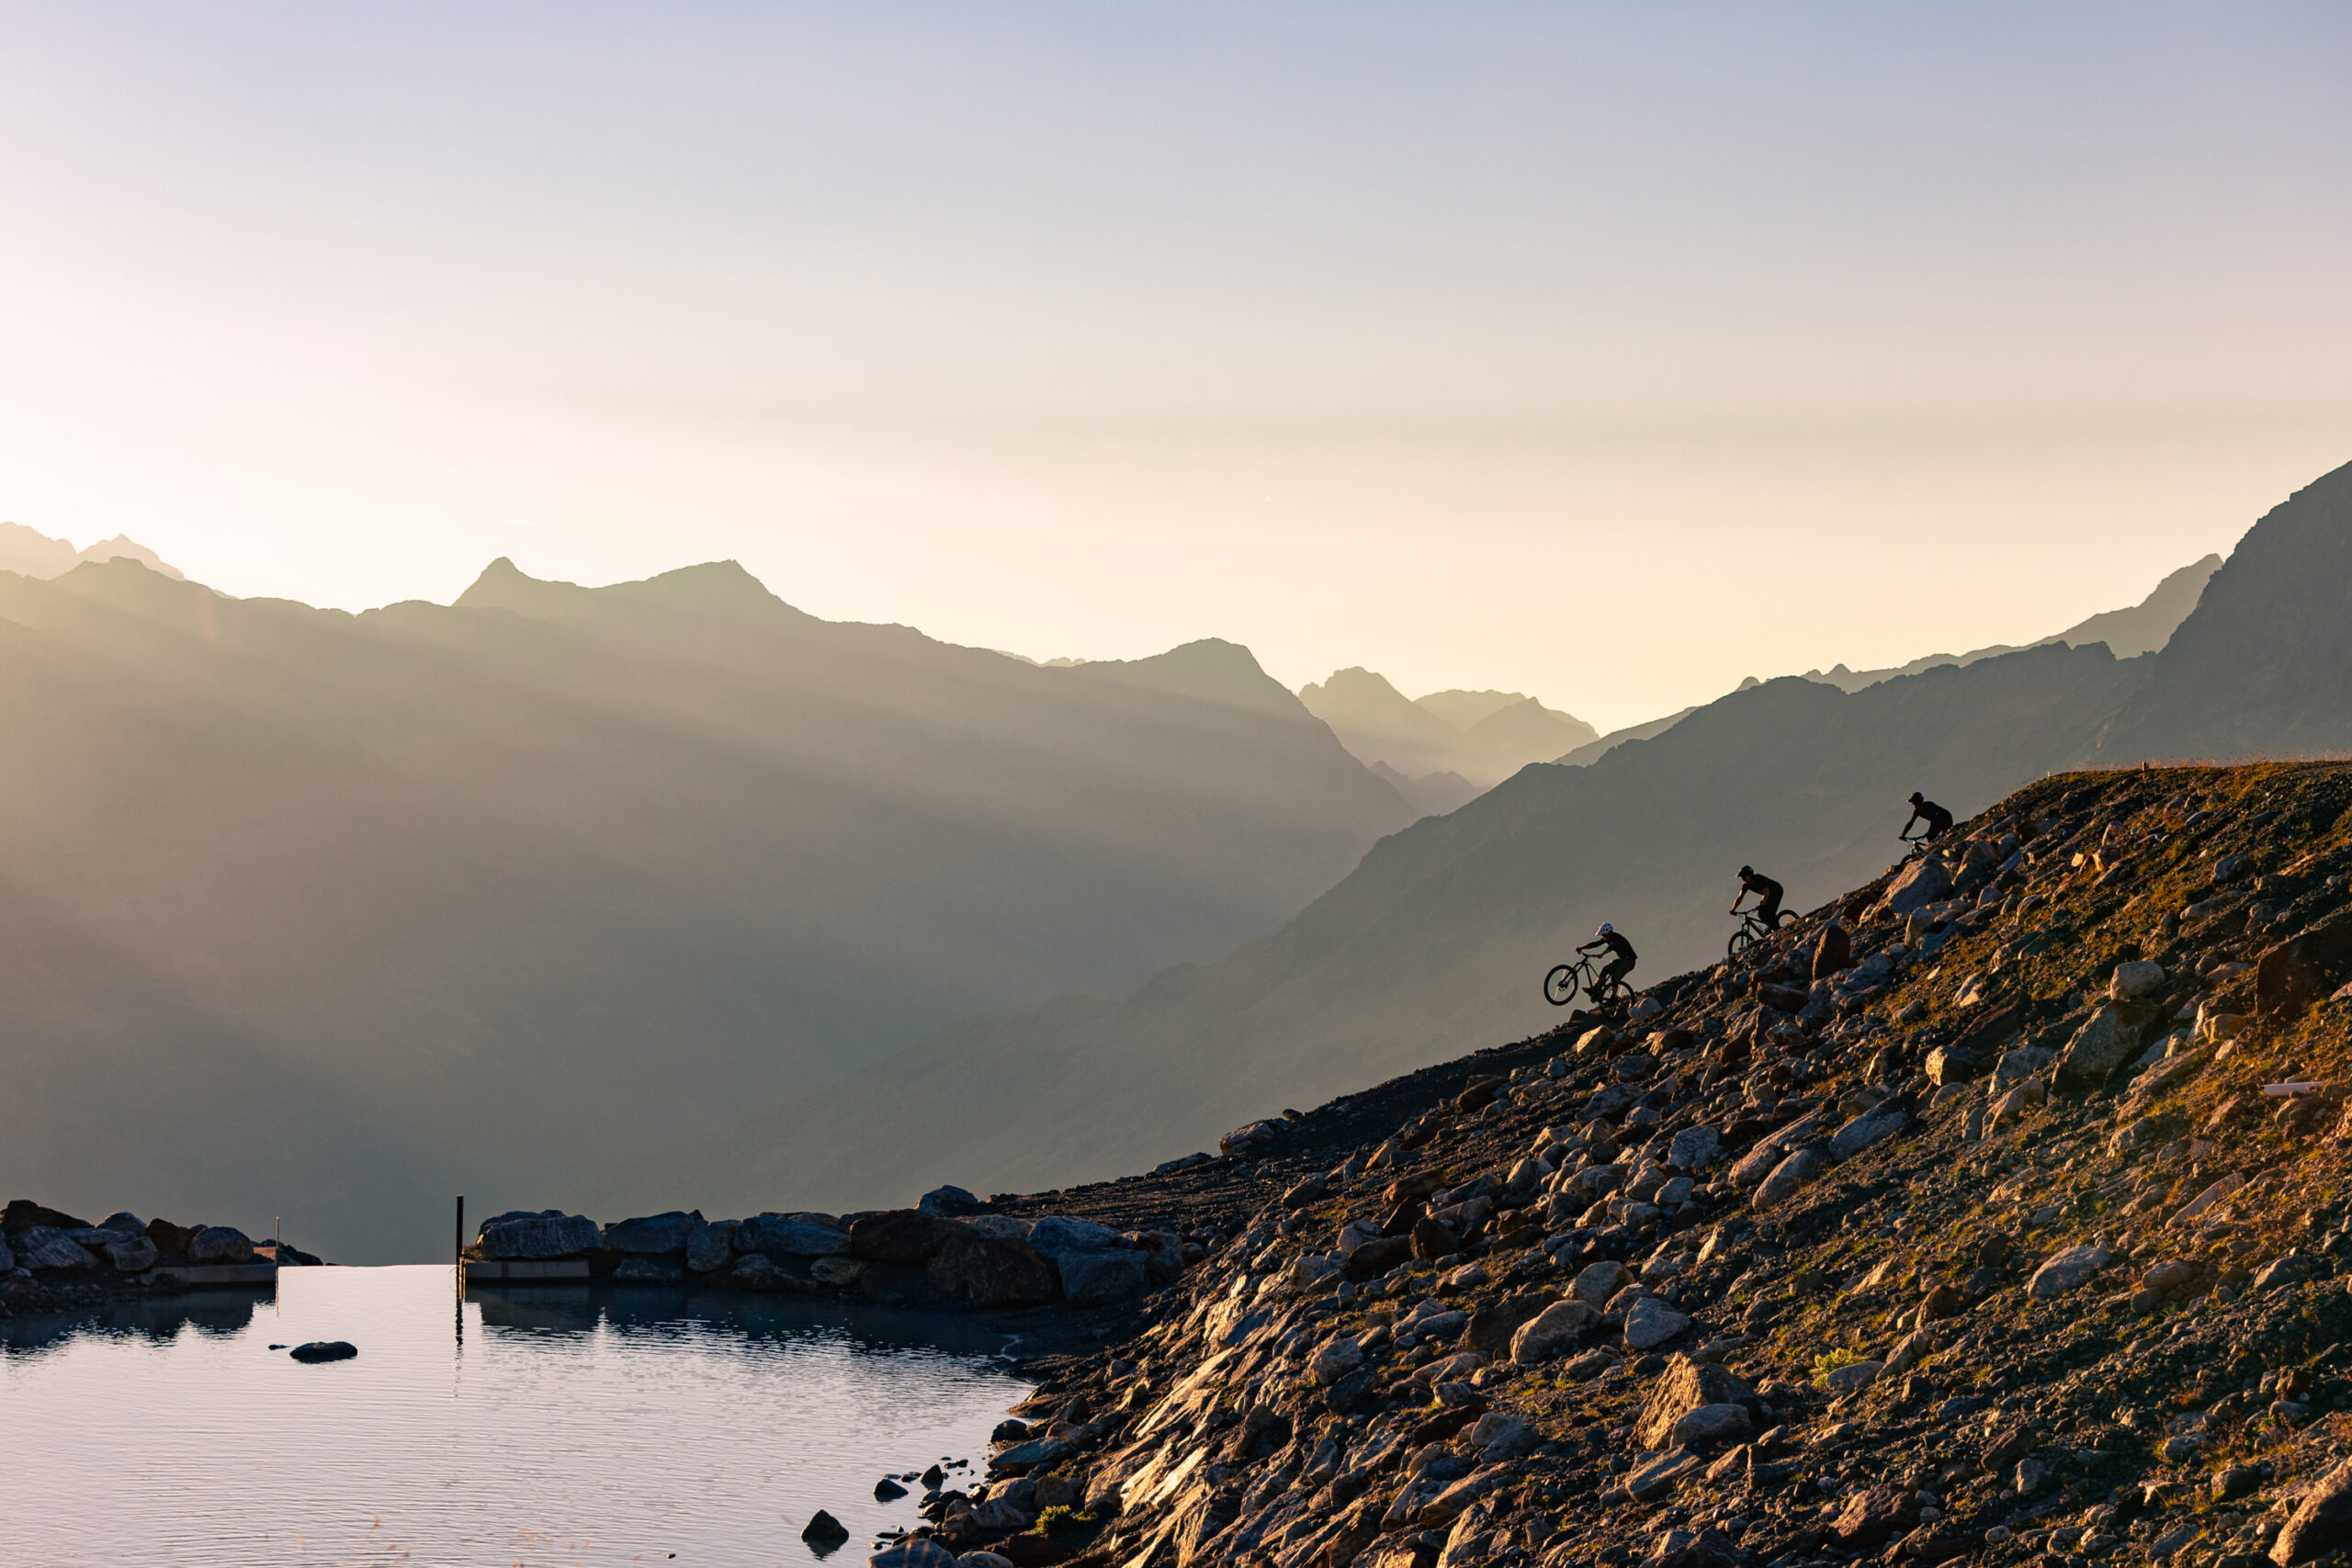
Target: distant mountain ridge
(1438, 939)
(335, 914)
(1483, 737)
(30, 553)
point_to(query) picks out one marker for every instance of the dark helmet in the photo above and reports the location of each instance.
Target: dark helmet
(1916, 798)
(1747, 871)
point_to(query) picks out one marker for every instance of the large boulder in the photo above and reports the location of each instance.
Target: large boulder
(1686, 1386)
(1924, 882)
(1760, 1161)
(710, 1245)
(2136, 980)
(949, 1202)
(1650, 1323)
(907, 1237)
(990, 1271)
(653, 1234)
(1789, 1178)
(2065, 1270)
(1694, 1148)
(2298, 972)
(45, 1246)
(23, 1214)
(2320, 1522)
(1097, 1278)
(225, 1244)
(1553, 1331)
(131, 1255)
(2111, 1037)
(514, 1236)
(790, 1236)
(1869, 1127)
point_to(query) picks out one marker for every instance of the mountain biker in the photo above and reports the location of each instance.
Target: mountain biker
(1767, 891)
(1938, 820)
(1621, 963)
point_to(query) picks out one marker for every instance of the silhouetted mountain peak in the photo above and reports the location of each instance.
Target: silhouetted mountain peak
(713, 591)
(1210, 669)
(30, 553)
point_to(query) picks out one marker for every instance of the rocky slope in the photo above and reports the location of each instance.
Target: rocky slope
(1992, 1213)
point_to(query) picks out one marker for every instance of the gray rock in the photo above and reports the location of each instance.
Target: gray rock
(131, 1255)
(2065, 1270)
(324, 1350)
(1334, 1362)
(1553, 1331)
(653, 1232)
(950, 1203)
(1759, 1162)
(1650, 1323)
(642, 1270)
(1694, 1148)
(222, 1244)
(1869, 1127)
(1655, 1477)
(1925, 880)
(2321, 1520)
(1062, 1232)
(1498, 1435)
(529, 1237)
(710, 1244)
(2017, 1066)
(1850, 1379)
(781, 1235)
(1789, 1178)
(1596, 1283)
(2229, 868)
(123, 1222)
(2136, 980)
(43, 1247)
(1712, 1423)
(1095, 1279)
(2111, 1036)
(7, 1258)
(758, 1271)
(838, 1272)
(1032, 1454)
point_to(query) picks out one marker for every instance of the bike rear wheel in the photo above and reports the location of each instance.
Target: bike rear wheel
(1560, 986)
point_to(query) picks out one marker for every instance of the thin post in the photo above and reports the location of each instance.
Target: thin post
(457, 1252)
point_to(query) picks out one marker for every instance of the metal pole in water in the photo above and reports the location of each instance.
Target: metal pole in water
(458, 1251)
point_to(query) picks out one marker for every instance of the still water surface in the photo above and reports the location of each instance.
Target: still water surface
(533, 1425)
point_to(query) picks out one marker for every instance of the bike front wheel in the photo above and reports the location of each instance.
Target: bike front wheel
(1741, 940)
(1560, 986)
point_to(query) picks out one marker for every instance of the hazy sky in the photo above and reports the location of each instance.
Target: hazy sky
(1609, 352)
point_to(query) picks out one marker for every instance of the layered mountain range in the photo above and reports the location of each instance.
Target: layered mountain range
(1437, 941)
(318, 914)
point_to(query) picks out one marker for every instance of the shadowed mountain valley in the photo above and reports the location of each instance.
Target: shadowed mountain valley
(331, 916)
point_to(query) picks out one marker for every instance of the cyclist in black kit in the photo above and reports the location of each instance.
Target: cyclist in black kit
(1620, 961)
(1768, 895)
(1938, 820)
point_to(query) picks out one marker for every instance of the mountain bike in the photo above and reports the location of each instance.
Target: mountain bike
(1561, 985)
(1753, 927)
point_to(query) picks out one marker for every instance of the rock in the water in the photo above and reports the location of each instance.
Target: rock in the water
(324, 1350)
(45, 1246)
(709, 1247)
(990, 1271)
(1650, 1323)
(1553, 1331)
(758, 1271)
(904, 1237)
(2065, 1271)
(133, 1255)
(653, 1234)
(647, 1271)
(838, 1272)
(519, 1236)
(822, 1526)
(888, 1490)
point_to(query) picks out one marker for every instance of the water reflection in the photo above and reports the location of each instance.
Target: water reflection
(538, 1424)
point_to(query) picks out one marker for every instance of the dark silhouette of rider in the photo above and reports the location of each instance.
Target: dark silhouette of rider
(1619, 965)
(1767, 891)
(1938, 820)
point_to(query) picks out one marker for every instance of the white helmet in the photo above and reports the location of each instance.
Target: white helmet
(1606, 929)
